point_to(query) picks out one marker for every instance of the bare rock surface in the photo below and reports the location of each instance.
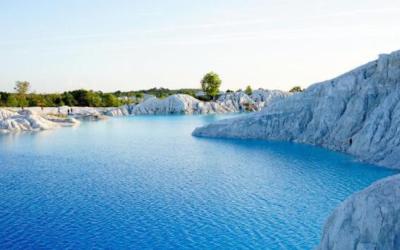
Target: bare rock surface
(28, 120)
(366, 220)
(226, 103)
(357, 113)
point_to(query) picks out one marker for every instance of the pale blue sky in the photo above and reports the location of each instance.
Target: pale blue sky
(110, 45)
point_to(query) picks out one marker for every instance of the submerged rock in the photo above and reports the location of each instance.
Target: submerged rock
(357, 113)
(366, 220)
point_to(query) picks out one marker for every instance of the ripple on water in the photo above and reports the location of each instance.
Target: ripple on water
(145, 183)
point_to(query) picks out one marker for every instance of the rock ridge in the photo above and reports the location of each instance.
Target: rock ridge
(357, 113)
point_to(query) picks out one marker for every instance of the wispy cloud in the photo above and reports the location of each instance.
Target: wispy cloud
(239, 23)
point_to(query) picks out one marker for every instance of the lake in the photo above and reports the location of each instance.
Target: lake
(145, 183)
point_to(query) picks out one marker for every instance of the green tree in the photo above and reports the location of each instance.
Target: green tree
(139, 95)
(68, 99)
(12, 101)
(22, 88)
(109, 100)
(296, 89)
(3, 98)
(248, 90)
(93, 99)
(56, 100)
(210, 84)
(36, 100)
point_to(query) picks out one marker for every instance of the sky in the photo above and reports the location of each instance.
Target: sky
(130, 45)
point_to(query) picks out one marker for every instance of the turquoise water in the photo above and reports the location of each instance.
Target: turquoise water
(146, 183)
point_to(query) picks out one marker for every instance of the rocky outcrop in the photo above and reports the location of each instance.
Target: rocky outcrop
(227, 103)
(175, 104)
(357, 113)
(265, 97)
(28, 120)
(367, 220)
(120, 111)
(80, 113)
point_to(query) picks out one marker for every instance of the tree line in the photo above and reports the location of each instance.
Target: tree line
(210, 85)
(81, 97)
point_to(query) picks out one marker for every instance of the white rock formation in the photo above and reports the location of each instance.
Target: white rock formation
(265, 96)
(227, 103)
(175, 104)
(4, 114)
(366, 220)
(79, 113)
(27, 120)
(357, 113)
(120, 111)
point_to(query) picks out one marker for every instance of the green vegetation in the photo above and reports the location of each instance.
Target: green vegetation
(210, 84)
(157, 92)
(21, 88)
(296, 89)
(248, 90)
(81, 97)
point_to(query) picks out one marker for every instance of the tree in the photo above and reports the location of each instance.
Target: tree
(248, 90)
(22, 88)
(210, 84)
(93, 99)
(109, 100)
(68, 99)
(3, 98)
(139, 95)
(36, 100)
(296, 89)
(12, 101)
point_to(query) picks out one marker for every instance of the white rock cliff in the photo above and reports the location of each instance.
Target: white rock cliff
(357, 113)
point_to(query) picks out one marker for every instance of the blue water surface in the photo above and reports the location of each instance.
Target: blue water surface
(145, 183)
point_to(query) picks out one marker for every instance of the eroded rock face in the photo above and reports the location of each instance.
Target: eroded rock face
(28, 120)
(357, 113)
(120, 111)
(266, 97)
(367, 220)
(175, 104)
(227, 103)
